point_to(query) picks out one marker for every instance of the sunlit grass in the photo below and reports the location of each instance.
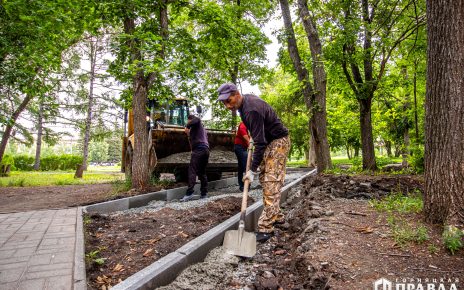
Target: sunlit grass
(43, 178)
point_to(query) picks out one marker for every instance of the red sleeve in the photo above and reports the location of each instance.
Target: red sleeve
(242, 130)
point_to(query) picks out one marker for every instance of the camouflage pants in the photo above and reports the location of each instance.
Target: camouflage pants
(272, 179)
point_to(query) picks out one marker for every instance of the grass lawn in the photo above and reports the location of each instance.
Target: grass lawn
(94, 174)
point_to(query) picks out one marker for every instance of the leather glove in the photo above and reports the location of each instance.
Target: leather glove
(250, 175)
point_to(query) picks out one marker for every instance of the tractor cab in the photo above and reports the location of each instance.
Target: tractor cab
(174, 114)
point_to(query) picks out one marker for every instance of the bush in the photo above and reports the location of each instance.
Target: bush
(60, 162)
(24, 162)
(8, 159)
(417, 159)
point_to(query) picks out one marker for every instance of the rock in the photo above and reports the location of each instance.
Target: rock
(352, 182)
(366, 184)
(312, 226)
(392, 167)
(267, 274)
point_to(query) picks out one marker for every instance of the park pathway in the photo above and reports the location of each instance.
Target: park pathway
(37, 249)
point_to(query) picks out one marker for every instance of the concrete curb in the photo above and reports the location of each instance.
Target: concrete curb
(144, 199)
(79, 278)
(166, 269)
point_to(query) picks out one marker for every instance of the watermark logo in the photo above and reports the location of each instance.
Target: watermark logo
(383, 284)
(417, 284)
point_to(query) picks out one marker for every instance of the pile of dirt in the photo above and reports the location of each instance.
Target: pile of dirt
(215, 156)
(118, 246)
(330, 242)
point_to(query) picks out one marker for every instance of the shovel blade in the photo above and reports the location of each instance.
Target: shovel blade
(244, 246)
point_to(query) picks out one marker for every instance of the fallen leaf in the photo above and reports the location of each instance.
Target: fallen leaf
(118, 268)
(365, 230)
(152, 241)
(182, 234)
(280, 252)
(148, 252)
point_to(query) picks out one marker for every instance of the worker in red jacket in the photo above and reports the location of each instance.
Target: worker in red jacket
(241, 142)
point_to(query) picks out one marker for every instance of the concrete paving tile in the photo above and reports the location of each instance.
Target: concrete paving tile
(12, 245)
(13, 260)
(6, 254)
(50, 273)
(31, 284)
(17, 265)
(43, 259)
(62, 229)
(24, 252)
(50, 267)
(10, 275)
(8, 286)
(59, 283)
(62, 257)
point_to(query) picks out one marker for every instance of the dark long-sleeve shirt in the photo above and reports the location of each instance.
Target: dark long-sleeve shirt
(198, 137)
(263, 124)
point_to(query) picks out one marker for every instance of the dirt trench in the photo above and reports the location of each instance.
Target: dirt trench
(332, 239)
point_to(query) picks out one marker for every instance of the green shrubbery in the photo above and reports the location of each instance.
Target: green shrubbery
(417, 159)
(53, 162)
(60, 162)
(24, 162)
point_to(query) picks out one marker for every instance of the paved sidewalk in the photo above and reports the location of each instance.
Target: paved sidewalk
(37, 249)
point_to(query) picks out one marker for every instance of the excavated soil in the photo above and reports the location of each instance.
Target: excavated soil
(334, 239)
(119, 245)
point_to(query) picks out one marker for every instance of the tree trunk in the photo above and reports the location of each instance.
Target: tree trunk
(356, 151)
(312, 153)
(444, 107)
(319, 114)
(10, 124)
(367, 141)
(38, 147)
(88, 121)
(140, 167)
(348, 151)
(388, 147)
(416, 122)
(405, 148)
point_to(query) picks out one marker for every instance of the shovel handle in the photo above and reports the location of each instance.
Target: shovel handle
(247, 181)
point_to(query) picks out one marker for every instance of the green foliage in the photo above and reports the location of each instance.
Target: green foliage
(403, 232)
(416, 159)
(452, 238)
(24, 162)
(94, 257)
(60, 162)
(98, 151)
(8, 160)
(397, 202)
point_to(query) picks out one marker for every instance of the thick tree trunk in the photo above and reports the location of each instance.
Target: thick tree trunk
(38, 147)
(10, 124)
(88, 121)
(140, 167)
(367, 141)
(444, 122)
(319, 114)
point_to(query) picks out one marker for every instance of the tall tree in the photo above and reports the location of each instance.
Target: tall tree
(315, 101)
(34, 34)
(444, 146)
(380, 26)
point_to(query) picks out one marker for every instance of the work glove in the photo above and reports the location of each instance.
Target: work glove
(250, 175)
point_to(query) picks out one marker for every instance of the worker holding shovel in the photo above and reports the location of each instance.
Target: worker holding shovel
(272, 144)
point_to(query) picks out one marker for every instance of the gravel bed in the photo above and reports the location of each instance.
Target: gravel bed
(255, 193)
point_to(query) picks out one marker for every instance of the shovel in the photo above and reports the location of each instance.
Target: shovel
(238, 242)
